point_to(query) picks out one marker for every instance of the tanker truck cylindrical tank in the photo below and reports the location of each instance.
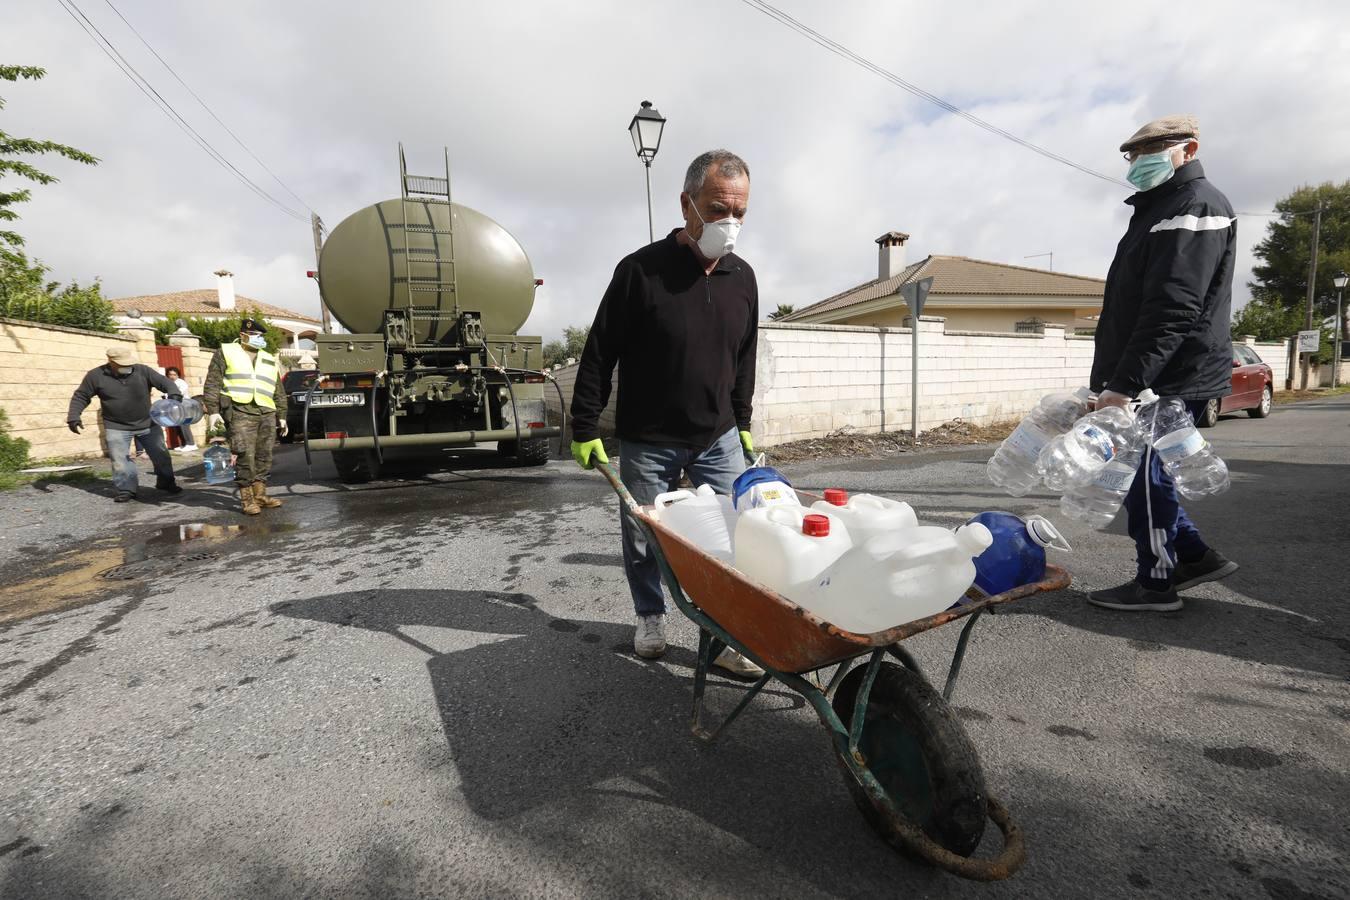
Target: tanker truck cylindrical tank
(361, 266)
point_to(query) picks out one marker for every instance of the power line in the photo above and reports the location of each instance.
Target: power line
(208, 109)
(158, 100)
(840, 50)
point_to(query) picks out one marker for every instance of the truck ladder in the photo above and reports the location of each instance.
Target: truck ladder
(428, 270)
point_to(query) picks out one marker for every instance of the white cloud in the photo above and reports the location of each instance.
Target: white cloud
(533, 98)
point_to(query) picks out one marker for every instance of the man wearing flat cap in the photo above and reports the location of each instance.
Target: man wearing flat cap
(1164, 325)
(123, 390)
(243, 389)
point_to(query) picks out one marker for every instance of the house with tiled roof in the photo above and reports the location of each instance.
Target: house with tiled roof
(971, 294)
(221, 303)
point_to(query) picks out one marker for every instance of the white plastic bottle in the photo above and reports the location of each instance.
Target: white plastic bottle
(1094, 441)
(703, 517)
(787, 548)
(867, 515)
(1195, 468)
(1013, 465)
(899, 577)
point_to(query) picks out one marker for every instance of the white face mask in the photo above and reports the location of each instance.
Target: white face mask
(257, 341)
(719, 238)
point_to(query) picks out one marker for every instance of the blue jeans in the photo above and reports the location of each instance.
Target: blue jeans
(1163, 533)
(651, 469)
(125, 475)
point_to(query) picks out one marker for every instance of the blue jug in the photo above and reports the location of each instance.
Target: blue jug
(219, 469)
(1017, 556)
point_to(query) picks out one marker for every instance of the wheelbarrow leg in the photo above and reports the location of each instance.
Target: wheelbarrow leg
(708, 648)
(959, 655)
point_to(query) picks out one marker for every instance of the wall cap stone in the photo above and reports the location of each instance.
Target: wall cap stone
(67, 329)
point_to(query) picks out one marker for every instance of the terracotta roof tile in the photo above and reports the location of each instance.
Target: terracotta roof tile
(203, 302)
(963, 276)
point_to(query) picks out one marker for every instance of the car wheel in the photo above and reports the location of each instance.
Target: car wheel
(1260, 412)
(1209, 416)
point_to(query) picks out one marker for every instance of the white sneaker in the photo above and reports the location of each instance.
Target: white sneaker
(649, 641)
(737, 666)
(188, 448)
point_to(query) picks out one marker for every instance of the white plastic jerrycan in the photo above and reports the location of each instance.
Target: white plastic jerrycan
(866, 515)
(702, 517)
(899, 577)
(787, 548)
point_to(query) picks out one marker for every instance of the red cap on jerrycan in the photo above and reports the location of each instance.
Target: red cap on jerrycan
(836, 496)
(815, 526)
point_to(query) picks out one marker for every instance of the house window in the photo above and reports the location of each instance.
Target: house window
(1033, 325)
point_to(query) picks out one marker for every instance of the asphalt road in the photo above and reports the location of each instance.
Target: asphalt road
(424, 687)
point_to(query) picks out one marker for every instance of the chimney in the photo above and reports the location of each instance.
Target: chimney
(891, 254)
(225, 289)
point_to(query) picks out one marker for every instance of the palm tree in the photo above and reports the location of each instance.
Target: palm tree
(783, 309)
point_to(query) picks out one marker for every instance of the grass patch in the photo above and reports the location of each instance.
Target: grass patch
(10, 480)
(1296, 396)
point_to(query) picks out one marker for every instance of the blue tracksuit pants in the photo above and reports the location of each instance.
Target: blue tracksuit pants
(1163, 533)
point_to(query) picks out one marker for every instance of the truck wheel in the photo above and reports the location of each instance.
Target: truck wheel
(356, 466)
(915, 746)
(506, 448)
(533, 452)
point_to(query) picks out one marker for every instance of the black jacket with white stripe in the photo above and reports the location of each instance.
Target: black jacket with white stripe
(1166, 309)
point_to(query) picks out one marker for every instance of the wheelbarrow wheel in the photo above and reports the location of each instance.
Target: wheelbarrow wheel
(915, 746)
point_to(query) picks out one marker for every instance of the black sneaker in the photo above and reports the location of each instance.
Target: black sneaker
(124, 496)
(168, 487)
(1134, 596)
(1210, 567)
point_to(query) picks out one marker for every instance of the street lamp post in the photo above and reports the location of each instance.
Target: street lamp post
(645, 130)
(1340, 280)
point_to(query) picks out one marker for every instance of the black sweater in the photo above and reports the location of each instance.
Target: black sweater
(125, 398)
(684, 342)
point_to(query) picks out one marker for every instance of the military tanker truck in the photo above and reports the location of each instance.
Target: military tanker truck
(433, 294)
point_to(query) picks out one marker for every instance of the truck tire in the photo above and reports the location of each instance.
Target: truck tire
(356, 466)
(533, 452)
(917, 749)
(506, 448)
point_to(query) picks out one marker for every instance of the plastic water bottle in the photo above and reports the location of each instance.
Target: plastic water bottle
(1017, 554)
(787, 548)
(1094, 441)
(702, 517)
(761, 486)
(1013, 465)
(1096, 501)
(219, 469)
(171, 413)
(867, 515)
(898, 577)
(1195, 468)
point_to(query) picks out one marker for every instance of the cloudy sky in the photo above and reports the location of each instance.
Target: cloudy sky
(533, 99)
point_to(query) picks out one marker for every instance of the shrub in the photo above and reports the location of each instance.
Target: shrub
(26, 294)
(214, 332)
(13, 451)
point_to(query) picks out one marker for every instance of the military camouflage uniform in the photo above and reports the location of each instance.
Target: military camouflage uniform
(252, 428)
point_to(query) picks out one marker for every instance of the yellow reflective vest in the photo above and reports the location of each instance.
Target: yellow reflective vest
(249, 380)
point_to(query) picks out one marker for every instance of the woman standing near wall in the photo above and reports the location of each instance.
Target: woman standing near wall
(184, 431)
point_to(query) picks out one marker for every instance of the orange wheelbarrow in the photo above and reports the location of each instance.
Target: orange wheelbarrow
(907, 761)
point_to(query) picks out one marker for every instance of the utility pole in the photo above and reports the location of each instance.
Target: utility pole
(317, 224)
(1312, 286)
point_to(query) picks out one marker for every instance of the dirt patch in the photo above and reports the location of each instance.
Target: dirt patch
(1281, 397)
(863, 445)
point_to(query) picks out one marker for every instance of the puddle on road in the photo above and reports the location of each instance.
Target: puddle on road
(88, 574)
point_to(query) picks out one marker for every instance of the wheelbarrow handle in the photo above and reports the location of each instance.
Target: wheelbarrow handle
(612, 476)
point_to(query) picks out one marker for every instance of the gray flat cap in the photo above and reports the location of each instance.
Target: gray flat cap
(1179, 126)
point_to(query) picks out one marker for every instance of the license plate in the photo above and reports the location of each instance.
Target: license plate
(339, 400)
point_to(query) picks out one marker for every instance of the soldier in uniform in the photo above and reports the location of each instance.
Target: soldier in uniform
(243, 385)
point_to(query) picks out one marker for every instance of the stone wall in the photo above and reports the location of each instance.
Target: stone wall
(41, 365)
(812, 380)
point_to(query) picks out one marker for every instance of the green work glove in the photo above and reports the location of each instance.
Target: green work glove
(747, 442)
(583, 451)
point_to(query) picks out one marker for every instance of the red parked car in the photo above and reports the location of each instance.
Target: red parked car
(1252, 389)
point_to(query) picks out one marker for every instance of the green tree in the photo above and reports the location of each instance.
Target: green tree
(25, 293)
(573, 342)
(13, 147)
(1285, 254)
(214, 332)
(784, 309)
(1268, 319)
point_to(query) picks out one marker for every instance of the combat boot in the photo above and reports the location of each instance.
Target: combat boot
(248, 503)
(260, 495)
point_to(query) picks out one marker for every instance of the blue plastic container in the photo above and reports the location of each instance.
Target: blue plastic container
(1017, 556)
(773, 488)
(219, 469)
